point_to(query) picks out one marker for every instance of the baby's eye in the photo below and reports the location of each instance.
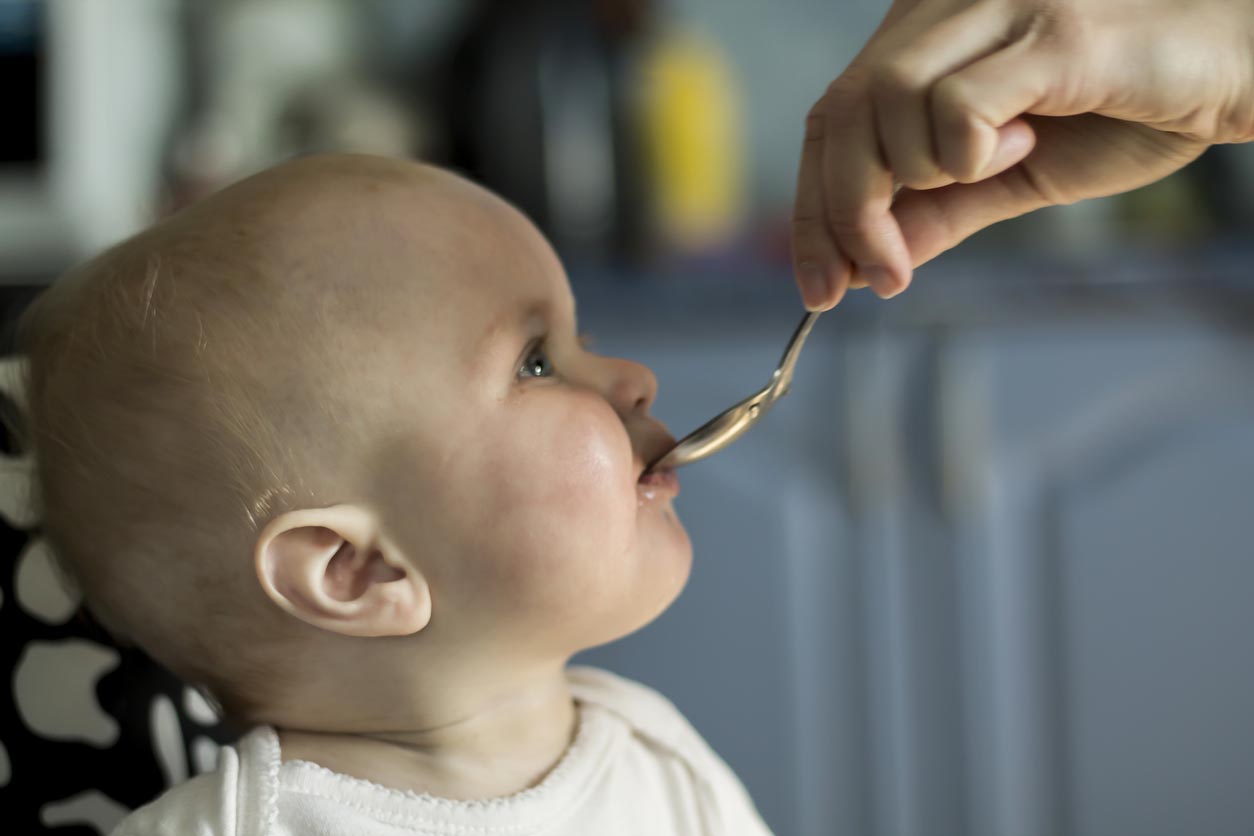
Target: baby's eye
(536, 363)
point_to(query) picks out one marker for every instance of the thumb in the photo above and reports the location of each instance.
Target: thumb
(1074, 158)
(934, 220)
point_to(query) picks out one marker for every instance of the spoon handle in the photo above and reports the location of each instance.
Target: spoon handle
(783, 375)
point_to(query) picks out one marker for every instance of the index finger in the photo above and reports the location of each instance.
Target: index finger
(822, 272)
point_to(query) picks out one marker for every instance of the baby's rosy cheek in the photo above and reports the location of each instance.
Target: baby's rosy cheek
(580, 477)
(591, 455)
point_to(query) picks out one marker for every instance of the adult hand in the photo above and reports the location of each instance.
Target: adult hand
(983, 110)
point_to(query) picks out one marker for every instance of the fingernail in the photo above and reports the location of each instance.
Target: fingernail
(813, 284)
(879, 280)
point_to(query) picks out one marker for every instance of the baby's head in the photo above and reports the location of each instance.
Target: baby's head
(330, 438)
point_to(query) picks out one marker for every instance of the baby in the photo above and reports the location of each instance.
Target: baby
(328, 445)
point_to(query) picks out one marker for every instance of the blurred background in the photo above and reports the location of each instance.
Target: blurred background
(987, 571)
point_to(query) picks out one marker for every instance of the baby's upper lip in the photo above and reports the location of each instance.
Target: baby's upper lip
(656, 441)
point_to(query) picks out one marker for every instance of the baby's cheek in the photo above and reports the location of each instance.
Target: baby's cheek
(564, 492)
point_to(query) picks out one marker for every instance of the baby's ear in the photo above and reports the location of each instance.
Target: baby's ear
(331, 568)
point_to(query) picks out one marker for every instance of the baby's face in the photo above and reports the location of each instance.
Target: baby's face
(508, 470)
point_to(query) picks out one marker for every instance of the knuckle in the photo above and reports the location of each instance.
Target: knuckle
(897, 79)
(1061, 24)
(851, 221)
(845, 95)
(951, 96)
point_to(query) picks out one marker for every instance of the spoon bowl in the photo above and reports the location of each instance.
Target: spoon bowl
(735, 421)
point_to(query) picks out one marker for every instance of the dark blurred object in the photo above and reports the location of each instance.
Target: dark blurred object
(1227, 176)
(625, 17)
(536, 96)
(22, 32)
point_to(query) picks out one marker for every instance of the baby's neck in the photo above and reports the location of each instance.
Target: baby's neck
(501, 747)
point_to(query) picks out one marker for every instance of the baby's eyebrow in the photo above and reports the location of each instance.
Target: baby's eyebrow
(513, 320)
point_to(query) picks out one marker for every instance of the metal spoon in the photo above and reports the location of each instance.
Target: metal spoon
(732, 423)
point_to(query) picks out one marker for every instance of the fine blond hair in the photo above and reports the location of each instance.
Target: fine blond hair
(159, 449)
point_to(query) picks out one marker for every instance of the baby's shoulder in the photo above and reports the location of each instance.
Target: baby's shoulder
(616, 692)
(197, 806)
(647, 711)
(209, 804)
(655, 722)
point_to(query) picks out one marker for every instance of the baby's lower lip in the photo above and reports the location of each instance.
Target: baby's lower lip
(658, 483)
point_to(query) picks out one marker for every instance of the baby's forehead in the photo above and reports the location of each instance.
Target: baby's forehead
(362, 252)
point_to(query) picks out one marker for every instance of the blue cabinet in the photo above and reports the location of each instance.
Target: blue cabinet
(985, 572)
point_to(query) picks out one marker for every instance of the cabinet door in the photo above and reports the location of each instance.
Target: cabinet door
(1101, 486)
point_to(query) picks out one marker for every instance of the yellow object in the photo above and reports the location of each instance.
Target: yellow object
(693, 138)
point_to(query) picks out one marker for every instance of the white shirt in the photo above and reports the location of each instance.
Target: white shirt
(636, 766)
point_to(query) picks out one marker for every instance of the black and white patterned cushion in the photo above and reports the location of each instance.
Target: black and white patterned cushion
(88, 731)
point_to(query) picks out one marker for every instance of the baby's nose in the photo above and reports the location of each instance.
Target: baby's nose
(632, 387)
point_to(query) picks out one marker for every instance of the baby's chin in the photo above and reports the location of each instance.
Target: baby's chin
(644, 609)
(660, 563)
(664, 546)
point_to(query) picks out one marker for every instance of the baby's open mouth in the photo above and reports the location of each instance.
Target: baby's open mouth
(662, 481)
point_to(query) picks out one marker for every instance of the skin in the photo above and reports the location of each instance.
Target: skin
(489, 524)
(987, 109)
